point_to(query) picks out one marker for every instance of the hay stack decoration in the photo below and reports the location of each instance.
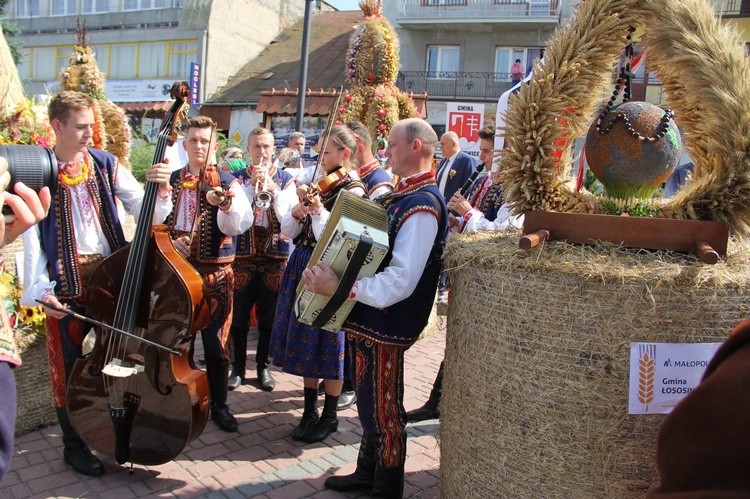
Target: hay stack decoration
(111, 129)
(372, 68)
(537, 359)
(716, 123)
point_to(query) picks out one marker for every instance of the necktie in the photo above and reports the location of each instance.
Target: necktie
(441, 170)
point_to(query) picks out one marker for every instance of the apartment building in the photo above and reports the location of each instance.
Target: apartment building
(463, 50)
(143, 46)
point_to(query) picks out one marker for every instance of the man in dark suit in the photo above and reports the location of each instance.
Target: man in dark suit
(452, 173)
(455, 168)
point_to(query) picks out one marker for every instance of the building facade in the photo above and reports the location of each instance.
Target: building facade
(143, 46)
(463, 50)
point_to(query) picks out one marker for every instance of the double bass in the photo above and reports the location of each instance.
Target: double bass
(127, 398)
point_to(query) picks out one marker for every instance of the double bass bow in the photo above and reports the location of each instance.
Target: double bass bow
(127, 398)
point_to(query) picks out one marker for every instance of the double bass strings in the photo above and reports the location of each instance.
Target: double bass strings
(127, 306)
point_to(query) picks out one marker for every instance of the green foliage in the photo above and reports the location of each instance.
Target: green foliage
(141, 156)
(142, 153)
(10, 31)
(631, 207)
(591, 183)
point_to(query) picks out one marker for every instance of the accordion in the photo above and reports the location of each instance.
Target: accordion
(354, 243)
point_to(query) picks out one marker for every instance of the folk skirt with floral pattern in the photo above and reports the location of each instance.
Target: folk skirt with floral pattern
(297, 348)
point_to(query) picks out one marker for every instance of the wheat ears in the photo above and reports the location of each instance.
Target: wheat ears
(706, 77)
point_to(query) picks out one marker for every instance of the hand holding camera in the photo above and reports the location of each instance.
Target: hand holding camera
(25, 205)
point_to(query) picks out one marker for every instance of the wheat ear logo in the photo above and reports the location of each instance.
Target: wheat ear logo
(646, 364)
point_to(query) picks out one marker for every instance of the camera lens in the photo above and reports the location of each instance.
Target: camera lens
(33, 165)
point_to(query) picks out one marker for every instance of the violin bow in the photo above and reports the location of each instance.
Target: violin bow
(327, 130)
(107, 326)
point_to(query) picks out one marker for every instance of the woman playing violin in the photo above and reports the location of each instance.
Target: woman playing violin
(297, 348)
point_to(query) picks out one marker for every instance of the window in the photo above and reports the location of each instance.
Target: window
(443, 2)
(43, 65)
(101, 54)
(143, 4)
(94, 6)
(62, 57)
(441, 60)
(122, 61)
(63, 7)
(27, 8)
(152, 60)
(181, 54)
(505, 57)
(24, 66)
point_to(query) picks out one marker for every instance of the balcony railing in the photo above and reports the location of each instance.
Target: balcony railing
(455, 85)
(485, 87)
(479, 9)
(31, 9)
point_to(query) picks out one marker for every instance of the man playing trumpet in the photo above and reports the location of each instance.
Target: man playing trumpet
(261, 255)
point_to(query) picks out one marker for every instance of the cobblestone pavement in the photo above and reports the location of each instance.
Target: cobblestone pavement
(260, 461)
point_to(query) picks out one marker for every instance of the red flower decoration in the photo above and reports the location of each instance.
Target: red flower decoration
(382, 127)
(348, 97)
(381, 96)
(342, 109)
(337, 122)
(371, 76)
(381, 112)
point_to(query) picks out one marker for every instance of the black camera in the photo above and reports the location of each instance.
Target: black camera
(35, 166)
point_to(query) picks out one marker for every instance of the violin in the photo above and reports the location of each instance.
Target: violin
(210, 177)
(325, 185)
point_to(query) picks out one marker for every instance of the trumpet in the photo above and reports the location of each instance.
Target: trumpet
(263, 198)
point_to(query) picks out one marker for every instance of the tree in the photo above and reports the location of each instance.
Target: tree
(11, 90)
(11, 31)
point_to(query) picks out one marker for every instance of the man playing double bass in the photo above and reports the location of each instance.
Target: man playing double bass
(203, 229)
(82, 228)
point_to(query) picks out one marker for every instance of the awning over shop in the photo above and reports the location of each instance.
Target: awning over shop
(317, 103)
(158, 106)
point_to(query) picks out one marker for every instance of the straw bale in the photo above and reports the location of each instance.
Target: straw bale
(34, 394)
(535, 395)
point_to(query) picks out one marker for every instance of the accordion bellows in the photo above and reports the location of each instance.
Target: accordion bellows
(354, 222)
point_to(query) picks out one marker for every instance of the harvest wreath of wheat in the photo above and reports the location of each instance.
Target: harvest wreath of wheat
(705, 75)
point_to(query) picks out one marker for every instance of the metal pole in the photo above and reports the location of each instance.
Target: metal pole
(303, 65)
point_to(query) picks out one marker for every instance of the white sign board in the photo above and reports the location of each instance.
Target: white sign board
(662, 374)
(138, 90)
(466, 120)
(131, 90)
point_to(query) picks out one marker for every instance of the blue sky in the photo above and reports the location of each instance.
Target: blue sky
(345, 4)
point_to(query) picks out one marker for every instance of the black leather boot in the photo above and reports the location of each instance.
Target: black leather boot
(348, 396)
(328, 422)
(309, 415)
(431, 408)
(75, 453)
(217, 383)
(364, 476)
(265, 380)
(238, 354)
(237, 377)
(388, 483)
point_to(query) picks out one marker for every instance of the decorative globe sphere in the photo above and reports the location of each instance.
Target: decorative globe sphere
(633, 149)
